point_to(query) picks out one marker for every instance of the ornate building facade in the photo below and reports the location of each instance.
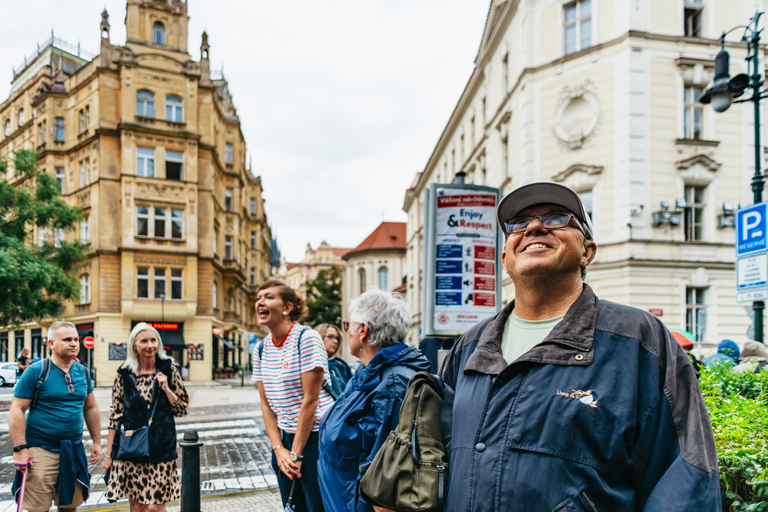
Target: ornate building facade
(149, 145)
(604, 96)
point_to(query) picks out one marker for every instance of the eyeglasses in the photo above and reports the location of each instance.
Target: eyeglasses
(333, 337)
(548, 220)
(70, 386)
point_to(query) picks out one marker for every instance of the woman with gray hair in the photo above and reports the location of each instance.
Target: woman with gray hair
(354, 429)
(148, 391)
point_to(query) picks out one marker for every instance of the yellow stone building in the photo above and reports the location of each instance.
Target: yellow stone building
(150, 146)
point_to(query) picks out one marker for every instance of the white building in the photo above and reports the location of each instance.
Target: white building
(602, 95)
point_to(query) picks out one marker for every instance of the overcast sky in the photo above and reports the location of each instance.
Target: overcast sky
(341, 101)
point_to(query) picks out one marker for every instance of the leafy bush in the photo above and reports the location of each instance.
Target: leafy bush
(738, 407)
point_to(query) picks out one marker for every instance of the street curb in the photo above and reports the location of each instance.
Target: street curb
(208, 497)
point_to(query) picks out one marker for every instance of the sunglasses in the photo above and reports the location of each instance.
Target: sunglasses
(548, 220)
(70, 385)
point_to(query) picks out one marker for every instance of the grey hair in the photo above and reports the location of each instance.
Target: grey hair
(386, 314)
(131, 357)
(58, 325)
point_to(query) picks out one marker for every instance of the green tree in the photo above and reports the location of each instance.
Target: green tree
(324, 298)
(35, 279)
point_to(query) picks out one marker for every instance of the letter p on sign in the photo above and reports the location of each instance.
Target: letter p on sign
(750, 221)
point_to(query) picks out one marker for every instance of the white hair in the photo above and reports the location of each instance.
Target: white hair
(58, 325)
(131, 357)
(386, 314)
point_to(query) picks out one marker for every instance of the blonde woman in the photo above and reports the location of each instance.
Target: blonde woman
(147, 381)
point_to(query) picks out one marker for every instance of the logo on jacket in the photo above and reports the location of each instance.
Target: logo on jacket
(585, 397)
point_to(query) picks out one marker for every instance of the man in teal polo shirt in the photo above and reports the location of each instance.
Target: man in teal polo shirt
(48, 441)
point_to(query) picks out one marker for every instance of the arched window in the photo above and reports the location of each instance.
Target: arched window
(383, 279)
(158, 33)
(174, 109)
(145, 104)
(7, 127)
(215, 297)
(361, 279)
(21, 116)
(85, 289)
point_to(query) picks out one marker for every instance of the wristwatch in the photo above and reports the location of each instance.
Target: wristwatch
(18, 448)
(296, 458)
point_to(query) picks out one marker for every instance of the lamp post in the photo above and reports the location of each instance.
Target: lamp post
(724, 92)
(162, 319)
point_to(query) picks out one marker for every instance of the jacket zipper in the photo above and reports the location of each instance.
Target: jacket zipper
(589, 501)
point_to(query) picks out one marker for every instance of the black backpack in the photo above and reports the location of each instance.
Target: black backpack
(44, 371)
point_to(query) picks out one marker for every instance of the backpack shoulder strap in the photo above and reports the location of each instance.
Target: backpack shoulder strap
(45, 369)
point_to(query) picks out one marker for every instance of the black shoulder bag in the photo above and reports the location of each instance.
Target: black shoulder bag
(134, 444)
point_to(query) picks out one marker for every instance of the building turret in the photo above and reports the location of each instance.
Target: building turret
(205, 63)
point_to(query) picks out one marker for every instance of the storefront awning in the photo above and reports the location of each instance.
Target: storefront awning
(173, 340)
(227, 344)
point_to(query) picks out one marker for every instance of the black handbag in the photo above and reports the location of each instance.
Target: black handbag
(134, 444)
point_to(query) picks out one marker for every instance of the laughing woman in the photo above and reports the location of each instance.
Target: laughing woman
(289, 371)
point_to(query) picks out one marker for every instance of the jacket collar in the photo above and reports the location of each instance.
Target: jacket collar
(161, 365)
(569, 343)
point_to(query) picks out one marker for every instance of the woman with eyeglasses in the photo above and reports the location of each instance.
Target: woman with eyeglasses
(369, 409)
(290, 367)
(148, 386)
(337, 367)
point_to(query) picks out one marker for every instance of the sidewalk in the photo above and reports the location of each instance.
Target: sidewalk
(254, 501)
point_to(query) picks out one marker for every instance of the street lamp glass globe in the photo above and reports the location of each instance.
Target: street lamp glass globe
(721, 101)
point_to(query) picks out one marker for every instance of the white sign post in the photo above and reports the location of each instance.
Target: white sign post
(462, 278)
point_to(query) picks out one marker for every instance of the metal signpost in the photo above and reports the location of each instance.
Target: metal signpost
(462, 258)
(752, 259)
(88, 343)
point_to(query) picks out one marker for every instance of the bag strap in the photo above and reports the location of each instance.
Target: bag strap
(328, 389)
(41, 378)
(154, 401)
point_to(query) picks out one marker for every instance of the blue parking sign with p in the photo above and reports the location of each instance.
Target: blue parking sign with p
(751, 227)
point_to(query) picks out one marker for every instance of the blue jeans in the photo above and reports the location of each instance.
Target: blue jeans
(306, 495)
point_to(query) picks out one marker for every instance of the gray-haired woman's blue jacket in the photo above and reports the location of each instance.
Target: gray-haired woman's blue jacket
(604, 415)
(356, 426)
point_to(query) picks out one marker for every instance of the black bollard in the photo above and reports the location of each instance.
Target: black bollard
(190, 471)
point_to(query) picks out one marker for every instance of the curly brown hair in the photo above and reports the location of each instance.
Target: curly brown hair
(289, 296)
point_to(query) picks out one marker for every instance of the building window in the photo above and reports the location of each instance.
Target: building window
(505, 72)
(586, 199)
(85, 289)
(7, 129)
(85, 172)
(142, 282)
(85, 230)
(694, 213)
(177, 283)
(174, 165)
(177, 224)
(692, 112)
(383, 279)
(228, 200)
(145, 162)
(215, 295)
(253, 276)
(4, 347)
(60, 179)
(361, 280)
(142, 221)
(228, 153)
(58, 238)
(215, 241)
(21, 116)
(87, 116)
(578, 26)
(692, 16)
(145, 104)
(253, 206)
(161, 222)
(81, 115)
(159, 283)
(228, 247)
(696, 311)
(40, 132)
(59, 129)
(174, 109)
(158, 33)
(253, 239)
(42, 234)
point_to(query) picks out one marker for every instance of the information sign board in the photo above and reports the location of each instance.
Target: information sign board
(462, 258)
(752, 278)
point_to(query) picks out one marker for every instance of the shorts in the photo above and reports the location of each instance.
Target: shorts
(42, 482)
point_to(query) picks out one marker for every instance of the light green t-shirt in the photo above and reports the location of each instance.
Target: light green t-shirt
(520, 335)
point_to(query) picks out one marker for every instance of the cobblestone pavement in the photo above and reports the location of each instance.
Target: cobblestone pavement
(236, 456)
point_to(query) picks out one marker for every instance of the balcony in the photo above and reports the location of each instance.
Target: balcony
(231, 317)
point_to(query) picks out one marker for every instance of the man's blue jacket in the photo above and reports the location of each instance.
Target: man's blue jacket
(604, 415)
(353, 430)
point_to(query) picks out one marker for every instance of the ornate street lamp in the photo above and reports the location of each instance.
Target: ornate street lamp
(724, 92)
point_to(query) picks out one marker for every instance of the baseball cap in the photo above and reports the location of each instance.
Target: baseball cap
(543, 192)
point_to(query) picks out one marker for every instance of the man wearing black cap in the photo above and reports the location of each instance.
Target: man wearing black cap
(565, 402)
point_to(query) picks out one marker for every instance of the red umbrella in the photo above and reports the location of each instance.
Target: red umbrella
(684, 338)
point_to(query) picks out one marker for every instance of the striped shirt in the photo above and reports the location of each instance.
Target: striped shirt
(280, 372)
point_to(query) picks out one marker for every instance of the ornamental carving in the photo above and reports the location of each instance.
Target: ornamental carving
(577, 115)
(160, 261)
(161, 192)
(84, 198)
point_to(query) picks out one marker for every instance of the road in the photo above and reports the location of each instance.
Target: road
(235, 456)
